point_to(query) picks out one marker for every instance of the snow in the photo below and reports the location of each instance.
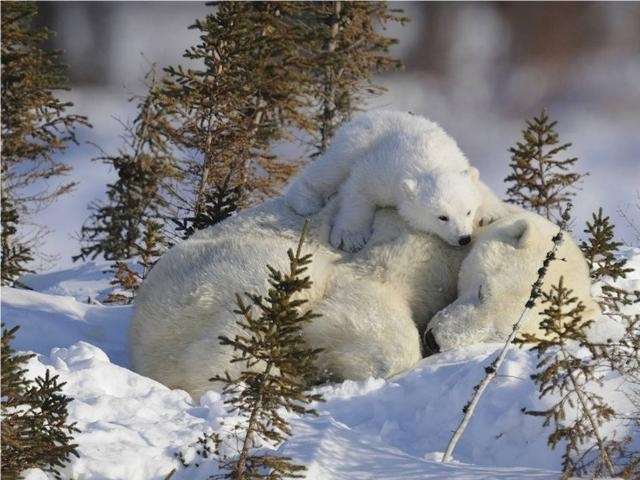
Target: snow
(132, 427)
(84, 281)
(128, 423)
(50, 321)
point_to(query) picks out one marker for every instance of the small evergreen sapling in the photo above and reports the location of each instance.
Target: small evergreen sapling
(569, 375)
(540, 181)
(606, 265)
(348, 47)
(623, 354)
(263, 70)
(278, 369)
(127, 280)
(16, 254)
(600, 249)
(152, 247)
(620, 355)
(220, 203)
(145, 167)
(244, 90)
(35, 432)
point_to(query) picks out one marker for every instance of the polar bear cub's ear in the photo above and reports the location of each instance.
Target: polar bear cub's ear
(473, 173)
(521, 232)
(410, 187)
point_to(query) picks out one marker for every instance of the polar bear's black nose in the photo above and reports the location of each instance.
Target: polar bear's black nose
(464, 240)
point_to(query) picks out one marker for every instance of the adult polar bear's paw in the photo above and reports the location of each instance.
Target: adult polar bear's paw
(455, 327)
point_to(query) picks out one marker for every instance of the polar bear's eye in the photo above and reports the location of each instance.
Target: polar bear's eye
(468, 213)
(444, 218)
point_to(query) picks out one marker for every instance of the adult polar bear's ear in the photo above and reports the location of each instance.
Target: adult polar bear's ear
(473, 173)
(521, 232)
(410, 187)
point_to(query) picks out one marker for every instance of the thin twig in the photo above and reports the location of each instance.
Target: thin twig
(492, 370)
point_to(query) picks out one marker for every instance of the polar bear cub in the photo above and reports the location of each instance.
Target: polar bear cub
(393, 159)
(495, 281)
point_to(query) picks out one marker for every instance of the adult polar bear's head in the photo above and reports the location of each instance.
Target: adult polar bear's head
(495, 281)
(443, 203)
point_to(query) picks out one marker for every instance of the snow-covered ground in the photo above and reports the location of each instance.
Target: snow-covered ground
(131, 426)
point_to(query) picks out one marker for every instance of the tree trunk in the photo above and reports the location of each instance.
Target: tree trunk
(328, 102)
(604, 454)
(240, 467)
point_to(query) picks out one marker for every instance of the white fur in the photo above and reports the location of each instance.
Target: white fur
(368, 302)
(496, 277)
(394, 159)
(371, 302)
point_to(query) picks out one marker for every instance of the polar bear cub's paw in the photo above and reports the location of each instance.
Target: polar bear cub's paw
(349, 240)
(352, 226)
(303, 199)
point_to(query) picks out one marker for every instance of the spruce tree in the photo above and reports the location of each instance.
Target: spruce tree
(601, 250)
(220, 203)
(245, 91)
(16, 254)
(569, 375)
(606, 265)
(278, 369)
(127, 279)
(348, 49)
(35, 431)
(36, 125)
(125, 283)
(153, 244)
(622, 354)
(540, 181)
(145, 167)
(270, 68)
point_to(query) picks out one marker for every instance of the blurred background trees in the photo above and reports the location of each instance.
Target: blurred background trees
(443, 39)
(478, 69)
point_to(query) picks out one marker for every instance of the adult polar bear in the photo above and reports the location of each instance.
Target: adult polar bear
(368, 301)
(373, 303)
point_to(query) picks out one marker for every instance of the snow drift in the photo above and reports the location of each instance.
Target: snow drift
(132, 427)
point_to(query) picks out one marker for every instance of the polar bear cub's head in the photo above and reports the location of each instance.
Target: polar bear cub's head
(494, 282)
(443, 203)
